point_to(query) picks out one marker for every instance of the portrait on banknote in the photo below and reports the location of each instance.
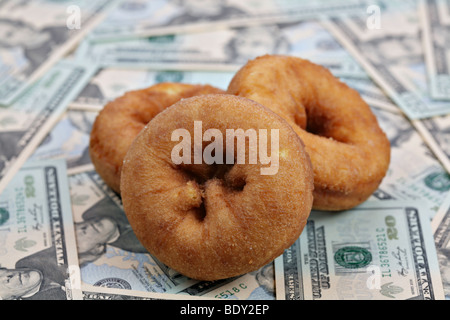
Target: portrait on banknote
(9, 146)
(69, 140)
(91, 94)
(203, 10)
(439, 127)
(33, 44)
(37, 240)
(100, 221)
(108, 250)
(250, 42)
(38, 278)
(399, 131)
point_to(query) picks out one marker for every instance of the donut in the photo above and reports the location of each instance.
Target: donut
(349, 152)
(119, 122)
(212, 220)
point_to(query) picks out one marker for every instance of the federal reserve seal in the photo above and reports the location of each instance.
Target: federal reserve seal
(439, 181)
(116, 283)
(353, 257)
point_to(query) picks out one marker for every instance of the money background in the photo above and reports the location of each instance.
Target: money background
(50, 99)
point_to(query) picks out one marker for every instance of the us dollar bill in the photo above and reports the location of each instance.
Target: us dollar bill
(441, 230)
(434, 130)
(377, 251)
(371, 93)
(389, 53)
(105, 293)
(38, 252)
(228, 49)
(414, 172)
(34, 35)
(109, 253)
(145, 18)
(435, 22)
(25, 123)
(110, 83)
(436, 133)
(69, 140)
(256, 285)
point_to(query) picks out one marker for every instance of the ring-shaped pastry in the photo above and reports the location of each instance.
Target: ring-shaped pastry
(120, 121)
(214, 220)
(349, 152)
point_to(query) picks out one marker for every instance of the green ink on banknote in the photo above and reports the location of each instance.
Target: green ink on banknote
(392, 232)
(29, 186)
(388, 290)
(439, 181)
(169, 76)
(162, 39)
(353, 257)
(4, 216)
(23, 244)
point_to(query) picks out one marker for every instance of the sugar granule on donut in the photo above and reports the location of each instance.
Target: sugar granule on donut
(349, 152)
(215, 221)
(119, 122)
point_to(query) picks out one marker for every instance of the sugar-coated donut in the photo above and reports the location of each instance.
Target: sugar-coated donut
(210, 220)
(349, 152)
(119, 122)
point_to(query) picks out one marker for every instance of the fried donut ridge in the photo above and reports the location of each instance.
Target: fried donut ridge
(214, 221)
(120, 121)
(349, 152)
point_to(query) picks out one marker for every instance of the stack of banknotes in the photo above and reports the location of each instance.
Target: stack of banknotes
(62, 61)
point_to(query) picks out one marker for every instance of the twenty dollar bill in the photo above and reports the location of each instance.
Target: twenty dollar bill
(35, 35)
(381, 250)
(435, 19)
(145, 18)
(390, 54)
(441, 229)
(38, 253)
(25, 123)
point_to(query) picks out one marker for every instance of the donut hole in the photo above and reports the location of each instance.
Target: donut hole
(236, 184)
(317, 125)
(201, 174)
(200, 211)
(210, 181)
(195, 173)
(321, 124)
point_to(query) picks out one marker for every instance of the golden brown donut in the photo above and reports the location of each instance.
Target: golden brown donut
(119, 122)
(214, 221)
(349, 152)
